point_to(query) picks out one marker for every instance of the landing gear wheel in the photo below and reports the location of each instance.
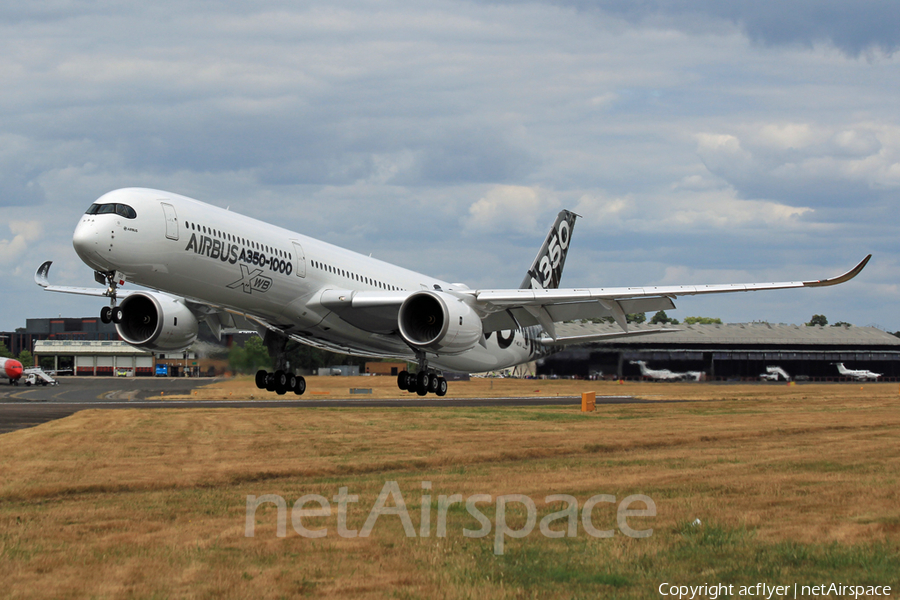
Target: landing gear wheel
(411, 383)
(261, 379)
(117, 314)
(300, 385)
(291, 382)
(442, 387)
(422, 383)
(433, 383)
(402, 378)
(270, 382)
(106, 315)
(281, 381)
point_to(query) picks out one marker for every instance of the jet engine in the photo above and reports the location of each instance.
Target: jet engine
(439, 322)
(156, 322)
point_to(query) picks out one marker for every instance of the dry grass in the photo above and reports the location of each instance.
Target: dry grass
(791, 483)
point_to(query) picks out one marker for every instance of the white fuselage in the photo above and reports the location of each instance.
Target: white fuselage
(217, 257)
(858, 374)
(666, 374)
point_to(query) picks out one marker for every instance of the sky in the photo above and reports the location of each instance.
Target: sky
(701, 141)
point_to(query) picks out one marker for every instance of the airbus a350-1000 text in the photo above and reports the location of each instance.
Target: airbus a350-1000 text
(203, 263)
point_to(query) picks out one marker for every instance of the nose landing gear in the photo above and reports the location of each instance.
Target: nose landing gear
(111, 313)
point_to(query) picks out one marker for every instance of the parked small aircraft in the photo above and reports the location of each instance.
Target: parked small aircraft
(666, 374)
(858, 374)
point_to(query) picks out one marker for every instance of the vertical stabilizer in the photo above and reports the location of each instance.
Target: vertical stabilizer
(547, 268)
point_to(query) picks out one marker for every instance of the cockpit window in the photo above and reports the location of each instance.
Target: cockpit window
(123, 210)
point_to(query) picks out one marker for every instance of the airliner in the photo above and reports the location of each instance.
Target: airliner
(14, 371)
(199, 263)
(857, 374)
(11, 369)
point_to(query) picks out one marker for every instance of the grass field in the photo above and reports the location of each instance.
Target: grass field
(790, 483)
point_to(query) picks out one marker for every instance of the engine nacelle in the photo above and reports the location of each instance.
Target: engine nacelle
(156, 322)
(439, 322)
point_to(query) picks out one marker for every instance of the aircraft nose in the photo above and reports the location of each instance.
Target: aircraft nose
(13, 369)
(86, 242)
(84, 239)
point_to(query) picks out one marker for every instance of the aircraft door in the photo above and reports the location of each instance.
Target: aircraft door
(171, 221)
(301, 260)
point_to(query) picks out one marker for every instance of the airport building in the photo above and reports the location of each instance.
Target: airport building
(96, 358)
(87, 346)
(61, 328)
(729, 351)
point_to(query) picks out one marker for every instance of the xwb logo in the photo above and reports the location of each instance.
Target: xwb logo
(252, 280)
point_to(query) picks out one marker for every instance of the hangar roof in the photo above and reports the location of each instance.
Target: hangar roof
(73, 347)
(739, 334)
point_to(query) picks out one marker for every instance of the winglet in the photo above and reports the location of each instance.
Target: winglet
(40, 276)
(840, 278)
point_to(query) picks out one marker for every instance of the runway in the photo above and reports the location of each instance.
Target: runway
(22, 407)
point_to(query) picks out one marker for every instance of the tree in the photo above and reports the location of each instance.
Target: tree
(817, 320)
(249, 358)
(662, 318)
(629, 318)
(307, 358)
(841, 324)
(26, 359)
(702, 321)
(4, 351)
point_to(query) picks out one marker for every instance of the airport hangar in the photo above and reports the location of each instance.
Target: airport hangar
(728, 351)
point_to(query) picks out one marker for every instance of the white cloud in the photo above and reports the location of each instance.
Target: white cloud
(23, 233)
(510, 208)
(814, 163)
(402, 128)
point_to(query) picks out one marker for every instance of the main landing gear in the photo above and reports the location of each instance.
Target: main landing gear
(424, 382)
(280, 382)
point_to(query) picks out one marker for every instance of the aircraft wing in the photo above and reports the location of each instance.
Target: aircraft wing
(376, 311)
(508, 308)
